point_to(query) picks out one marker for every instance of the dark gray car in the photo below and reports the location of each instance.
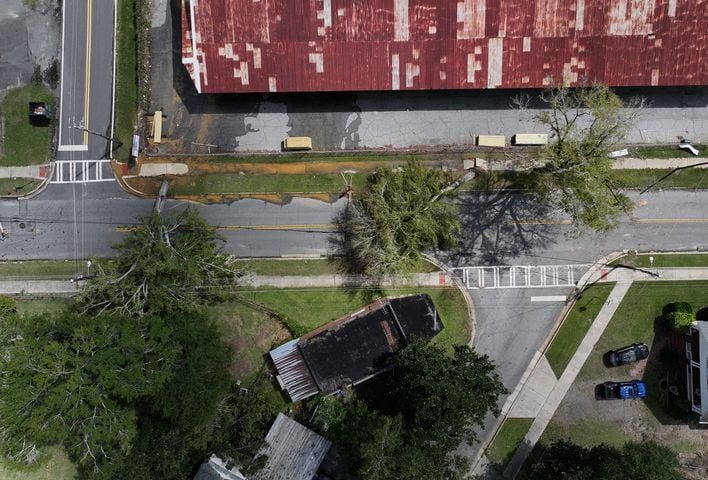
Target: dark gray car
(629, 354)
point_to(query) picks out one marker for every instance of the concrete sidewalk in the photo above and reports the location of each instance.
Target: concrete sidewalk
(32, 171)
(539, 393)
(625, 163)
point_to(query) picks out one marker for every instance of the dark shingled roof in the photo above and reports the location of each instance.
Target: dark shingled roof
(358, 346)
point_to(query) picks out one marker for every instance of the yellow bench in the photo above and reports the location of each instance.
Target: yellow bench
(491, 140)
(297, 143)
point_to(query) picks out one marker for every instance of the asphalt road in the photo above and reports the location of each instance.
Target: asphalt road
(87, 85)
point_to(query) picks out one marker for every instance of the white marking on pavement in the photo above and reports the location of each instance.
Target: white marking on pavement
(72, 148)
(549, 298)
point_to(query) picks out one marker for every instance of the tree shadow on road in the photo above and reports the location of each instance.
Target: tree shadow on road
(498, 226)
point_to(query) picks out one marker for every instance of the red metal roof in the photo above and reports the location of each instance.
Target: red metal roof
(346, 45)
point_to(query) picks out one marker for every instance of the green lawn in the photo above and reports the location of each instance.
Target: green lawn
(126, 79)
(588, 433)
(634, 320)
(575, 326)
(507, 440)
(319, 266)
(25, 144)
(640, 179)
(18, 186)
(309, 308)
(668, 152)
(43, 305)
(285, 183)
(667, 260)
(57, 467)
(45, 268)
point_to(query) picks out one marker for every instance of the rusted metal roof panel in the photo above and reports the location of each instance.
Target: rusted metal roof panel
(293, 374)
(348, 45)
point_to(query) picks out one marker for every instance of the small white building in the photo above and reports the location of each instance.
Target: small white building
(697, 369)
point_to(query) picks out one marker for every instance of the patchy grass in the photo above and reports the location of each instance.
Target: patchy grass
(588, 433)
(57, 467)
(126, 79)
(640, 179)
(42, 305)
(18, 186)
(575, 326)
(236, 183)
(663, 261)
(507, 440)
(309, 266)
(252, 334)
(309, 308)
(25, 144)
(668, 152)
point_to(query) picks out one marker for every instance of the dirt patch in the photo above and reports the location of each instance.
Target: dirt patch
(638, 369)
(250, 349)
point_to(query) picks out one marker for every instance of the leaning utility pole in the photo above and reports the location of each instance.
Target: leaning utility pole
(161, 196)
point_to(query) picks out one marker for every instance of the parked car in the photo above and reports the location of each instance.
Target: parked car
(629, 354)
(624, 390)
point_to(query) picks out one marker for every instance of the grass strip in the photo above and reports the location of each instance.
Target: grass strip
(236, 183)
(575, 326)
(664, 261)
(506, 442)
(668, 152)
(587, 433)
(126, 79)
(44, 269)
(308, 308)
(320, 266)
(18, 186)
(642, 178)
(25, 144)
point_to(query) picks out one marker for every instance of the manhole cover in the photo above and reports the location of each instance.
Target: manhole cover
(22, 225)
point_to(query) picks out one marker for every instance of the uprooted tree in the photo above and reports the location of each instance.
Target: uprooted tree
(574, 171)
(162, 265)
(399, 214)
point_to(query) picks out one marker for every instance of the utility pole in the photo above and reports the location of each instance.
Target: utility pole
(161, 196)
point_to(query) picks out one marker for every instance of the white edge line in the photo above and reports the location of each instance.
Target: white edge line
(61, 88)
(113, 99)
(197, 78)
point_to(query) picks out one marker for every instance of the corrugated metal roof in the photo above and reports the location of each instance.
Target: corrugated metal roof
(346, 45)
(294, 451)
(293, 375)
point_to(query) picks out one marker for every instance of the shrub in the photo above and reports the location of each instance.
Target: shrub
(677, 307)
(51, 74)
(37, 76)
(8, 306)
(680, 321)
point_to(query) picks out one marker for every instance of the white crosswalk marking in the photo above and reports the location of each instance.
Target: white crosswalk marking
(521, 276)
(82, 171)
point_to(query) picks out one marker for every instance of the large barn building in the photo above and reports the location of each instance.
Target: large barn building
(358, 45)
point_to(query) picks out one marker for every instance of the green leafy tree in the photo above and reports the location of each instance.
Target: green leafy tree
(163, 265)
(443, 398)
(71, 380)
(576, 172)
(680, 321)
(399, 214)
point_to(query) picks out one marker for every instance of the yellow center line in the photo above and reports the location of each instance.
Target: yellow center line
(87, 81)
(315, 226)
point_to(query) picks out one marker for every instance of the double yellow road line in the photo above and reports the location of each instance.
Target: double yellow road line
(231, 228)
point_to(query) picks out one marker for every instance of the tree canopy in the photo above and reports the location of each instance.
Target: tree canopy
(70, 379)
(162, 264)
(410, 432)
(443, 398)
(576, 171)
(399, 214)
(647, 460)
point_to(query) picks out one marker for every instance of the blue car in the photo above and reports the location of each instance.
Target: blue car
(624, 390)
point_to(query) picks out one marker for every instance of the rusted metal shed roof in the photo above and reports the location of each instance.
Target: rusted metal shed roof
(347, 45)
